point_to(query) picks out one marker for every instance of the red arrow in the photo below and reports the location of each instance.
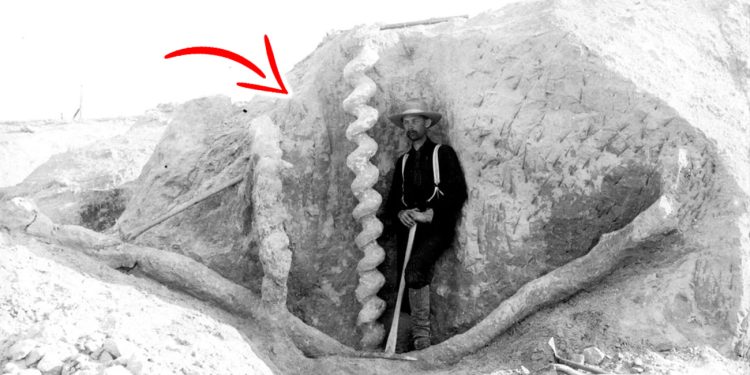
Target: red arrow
(237, 58)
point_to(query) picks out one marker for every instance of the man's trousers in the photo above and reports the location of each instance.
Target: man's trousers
(429, 243)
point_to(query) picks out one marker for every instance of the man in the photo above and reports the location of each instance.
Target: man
(433, 202)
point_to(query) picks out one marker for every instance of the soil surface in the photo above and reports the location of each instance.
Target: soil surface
(68, 306)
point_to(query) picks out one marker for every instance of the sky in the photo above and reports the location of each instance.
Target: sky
(113, 51)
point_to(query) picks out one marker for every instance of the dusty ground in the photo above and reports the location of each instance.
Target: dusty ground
(69, 304)
(56, 297)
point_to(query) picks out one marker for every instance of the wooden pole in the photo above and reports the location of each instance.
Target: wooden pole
(429, 21)
(182, 207)
(390, 346)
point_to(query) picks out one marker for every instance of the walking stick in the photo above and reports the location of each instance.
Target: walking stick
(182, 207)
(390, 345)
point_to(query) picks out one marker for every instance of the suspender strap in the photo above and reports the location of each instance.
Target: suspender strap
(403, 168)
(436, 166)
(435, 174)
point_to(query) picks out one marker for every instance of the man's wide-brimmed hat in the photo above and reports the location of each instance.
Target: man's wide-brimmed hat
(415, 107)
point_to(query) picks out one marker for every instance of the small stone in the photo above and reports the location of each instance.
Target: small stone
(116, 370)
(83, 364)
(638, 362)
(33, 357)
(97, 353)
(12, 368)
(119, 348)
(30, 371)
(525, 371)
(52, 360)
(90, 346)
(593, 355)
(110, 345)
(133, 363)
(21, 349)
(79, 359)
(91, 343)
(53, 371)
(69, 368)
(539, 356)
(136, 367)
(105, 357)
(638, 369)
(577, 358)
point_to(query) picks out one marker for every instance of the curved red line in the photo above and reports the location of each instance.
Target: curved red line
(253, 86)
(272, 62)
(226, 54)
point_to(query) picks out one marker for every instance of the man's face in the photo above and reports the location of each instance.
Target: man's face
(415, 126)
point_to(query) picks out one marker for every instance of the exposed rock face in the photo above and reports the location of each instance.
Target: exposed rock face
(204, 137)
(567, 128)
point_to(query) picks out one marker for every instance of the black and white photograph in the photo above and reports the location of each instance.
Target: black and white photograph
(508, 187)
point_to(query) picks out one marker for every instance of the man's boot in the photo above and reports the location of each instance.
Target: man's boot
(419, 300)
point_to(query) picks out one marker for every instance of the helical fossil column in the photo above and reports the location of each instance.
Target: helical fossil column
(366, 175)
(269, 212)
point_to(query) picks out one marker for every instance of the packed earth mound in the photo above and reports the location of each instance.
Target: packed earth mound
(560, 145)
(605, 148)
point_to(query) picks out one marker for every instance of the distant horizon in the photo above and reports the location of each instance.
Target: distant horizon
(115, 51)
(69, 121)
(103, 118)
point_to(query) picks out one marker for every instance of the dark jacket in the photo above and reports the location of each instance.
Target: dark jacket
(418, 187)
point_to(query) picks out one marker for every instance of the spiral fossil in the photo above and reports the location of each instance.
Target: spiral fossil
(366, 175)
(269, 212)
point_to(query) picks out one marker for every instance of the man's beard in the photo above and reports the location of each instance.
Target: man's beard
(413, 135)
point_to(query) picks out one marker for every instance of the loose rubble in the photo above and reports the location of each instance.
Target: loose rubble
(83, 318)
(112, 356)
(593, 355)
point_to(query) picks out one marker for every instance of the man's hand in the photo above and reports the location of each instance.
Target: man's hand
(407, 217)
(410, 217)
(424, 217)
